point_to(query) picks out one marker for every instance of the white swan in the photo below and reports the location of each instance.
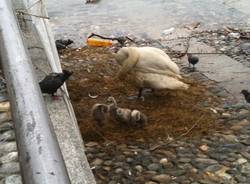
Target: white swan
(151, 67)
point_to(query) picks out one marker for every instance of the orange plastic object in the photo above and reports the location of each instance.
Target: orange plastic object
(98, 42)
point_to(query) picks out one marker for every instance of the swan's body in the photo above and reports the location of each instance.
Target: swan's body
(151, 67)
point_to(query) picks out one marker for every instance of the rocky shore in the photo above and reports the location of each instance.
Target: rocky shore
(9, 165)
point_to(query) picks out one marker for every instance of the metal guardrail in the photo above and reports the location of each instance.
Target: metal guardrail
(39, 153)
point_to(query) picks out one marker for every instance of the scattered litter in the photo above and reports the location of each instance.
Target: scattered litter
(93, 96)
(213, 110)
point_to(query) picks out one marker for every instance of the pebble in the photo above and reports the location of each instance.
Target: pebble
(5, 116)
(119, 170)
(153, 167)
(97, 162)
(7, 136)
(241, 161)
(164, 161)
(162, 178)
(245, 168)
(7, 147)
(6, 126)
(10, 157)
(139, 168)
(10, 168)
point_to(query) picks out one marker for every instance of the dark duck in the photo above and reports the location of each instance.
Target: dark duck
(246, 95)
(192, 60)
(52, 82)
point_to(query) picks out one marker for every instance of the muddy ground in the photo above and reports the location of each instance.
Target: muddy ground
(170, 113)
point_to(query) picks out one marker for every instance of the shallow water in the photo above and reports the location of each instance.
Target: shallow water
(146, 18)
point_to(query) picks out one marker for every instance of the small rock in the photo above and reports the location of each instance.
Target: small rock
(213, 168)
(139, 168)
(240, 178)
(162, 178)
(241, 161)
(222, 173)
(119, 170)
(150, 182)
(97, 162)
(7, 147)
(230, 138)
(241, 124)
(7, 136)
(4, 106)
(184, 160)
(5, 116)
(153, 167)
(10, 168)
(107, 162)
(6, 126)
(164, 161)
(245, 168)
(13, 179)
(10, 157)
(129, 160)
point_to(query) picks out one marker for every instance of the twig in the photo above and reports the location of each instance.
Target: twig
(179, 137)
(121, 39)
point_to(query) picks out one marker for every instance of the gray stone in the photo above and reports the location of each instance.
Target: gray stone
(5, 116)
(245, 47)
(10, 168)
(119, 170)
(153, 167)
(139, 168)
(176, 172)
(241, 178)
(162, 178)
(202, 163)
(13, 179)
(184, 160)
(97, 162)
(6, 126)
(10, 157)
(129, 160)
(7, 147)
(245, 168)
(7, 136)
(164, 161)
(107, 162)
(213, 168)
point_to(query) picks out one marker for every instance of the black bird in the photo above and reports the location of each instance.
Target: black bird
(54, 81)
(246, 95)
(192, 60)
(62, 44)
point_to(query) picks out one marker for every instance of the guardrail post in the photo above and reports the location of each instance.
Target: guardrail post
(39, 153)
